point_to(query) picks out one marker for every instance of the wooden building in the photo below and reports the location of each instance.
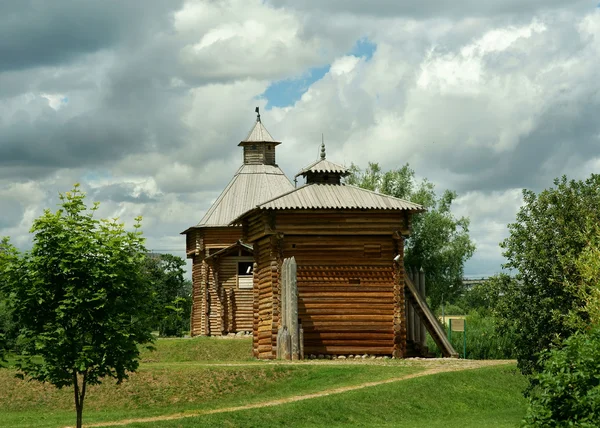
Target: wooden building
(221, 263)
(348, 244)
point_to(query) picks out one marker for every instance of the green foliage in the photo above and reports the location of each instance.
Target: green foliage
(439, 242)
(588, 288)
(8, 254)
(487, 296)
(450, 309)
(79, 298)
(173, 293)
(550, 232)
(567, 391)
(484, 340)
(8, 329)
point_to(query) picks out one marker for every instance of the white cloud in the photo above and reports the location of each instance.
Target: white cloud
(485, 104)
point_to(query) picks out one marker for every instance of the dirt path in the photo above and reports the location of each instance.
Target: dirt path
(432, 366)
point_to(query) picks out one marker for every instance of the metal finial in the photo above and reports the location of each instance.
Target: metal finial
(322, 148)
(257, 110)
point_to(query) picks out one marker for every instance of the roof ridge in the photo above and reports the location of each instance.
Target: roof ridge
(382, 194)
(286, 193)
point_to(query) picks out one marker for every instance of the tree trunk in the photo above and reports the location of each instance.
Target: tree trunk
(79, 396)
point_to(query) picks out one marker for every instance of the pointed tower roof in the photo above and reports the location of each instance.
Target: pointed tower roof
(258, 133)
(258, 180)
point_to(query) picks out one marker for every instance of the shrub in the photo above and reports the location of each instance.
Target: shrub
(483, 339)
(451, 309)
(567, 391)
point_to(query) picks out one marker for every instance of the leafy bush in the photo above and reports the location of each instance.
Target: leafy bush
(567, 391)
(7, 325)
(173, 294)
(484, 342)
(451, 310)
(551, 229)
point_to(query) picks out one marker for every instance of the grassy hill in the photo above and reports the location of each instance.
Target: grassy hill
(195, 375)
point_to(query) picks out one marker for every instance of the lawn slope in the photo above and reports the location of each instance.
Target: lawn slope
(488, 397)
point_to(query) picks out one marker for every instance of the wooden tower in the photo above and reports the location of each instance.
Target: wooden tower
(222, 264)
(348, 244)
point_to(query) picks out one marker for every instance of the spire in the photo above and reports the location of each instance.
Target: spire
(322, 148)
(257, 110)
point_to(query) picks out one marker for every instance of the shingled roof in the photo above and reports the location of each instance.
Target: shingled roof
(333, 196)
(251, 185)
(324, 166)
(259, 134)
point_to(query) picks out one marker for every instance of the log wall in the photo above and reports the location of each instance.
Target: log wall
(350, 289)
(209, 303)
(340, 222)
(197, 321)
(346, 293)
(266, 313)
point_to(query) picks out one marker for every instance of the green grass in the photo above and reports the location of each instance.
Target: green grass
(168, 386)
(199, 349)
(489, 397)
(181, 376)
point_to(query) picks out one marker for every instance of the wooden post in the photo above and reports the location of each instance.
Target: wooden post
(292, 308)
(424, 295)
(416, 320)
(289, 335)
(410, 316)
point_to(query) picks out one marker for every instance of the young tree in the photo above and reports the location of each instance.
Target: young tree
(439, 242)
(550, 232)
(79, 298)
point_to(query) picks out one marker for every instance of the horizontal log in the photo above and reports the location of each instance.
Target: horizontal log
(348, 288)
(309, 306)
(266, 355)
(345, 325)
(348, 335)
(346, 342)
(389, 311)
(264, 348)
(348, 350)
(349, 318)
(342, 294)
(342, 299)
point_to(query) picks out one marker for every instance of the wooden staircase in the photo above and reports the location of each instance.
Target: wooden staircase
(429, 319)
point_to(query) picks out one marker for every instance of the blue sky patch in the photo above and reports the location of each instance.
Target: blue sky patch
(286, 92)
(364, 48)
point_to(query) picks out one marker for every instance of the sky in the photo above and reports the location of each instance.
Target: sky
(144, 102)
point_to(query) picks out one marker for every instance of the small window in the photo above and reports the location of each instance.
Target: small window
(245, 268)
(245, 277)
(354, 281)
(254, 147)
(268, 147)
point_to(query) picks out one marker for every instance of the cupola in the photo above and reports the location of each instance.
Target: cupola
(259, 145)
(323, 171)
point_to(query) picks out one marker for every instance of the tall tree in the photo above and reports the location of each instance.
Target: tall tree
(173, 293)
(79, 298)
(439, 242)
(552, 229)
